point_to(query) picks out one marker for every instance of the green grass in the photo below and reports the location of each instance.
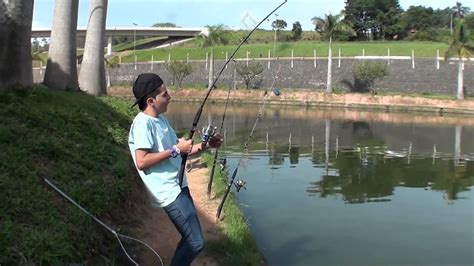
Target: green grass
(300, 49)
(261, 41)
(79, 142)
(238, 246)
(129, 45)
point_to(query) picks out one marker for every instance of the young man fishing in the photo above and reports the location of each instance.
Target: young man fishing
(155, 149)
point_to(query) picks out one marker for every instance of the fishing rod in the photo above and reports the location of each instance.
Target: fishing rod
(184, 157)
(209, 185)
(239, 184)
(114, 232)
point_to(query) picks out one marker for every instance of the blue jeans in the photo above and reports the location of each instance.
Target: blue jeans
(184, 217)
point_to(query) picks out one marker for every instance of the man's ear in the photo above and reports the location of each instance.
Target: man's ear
(149, 101)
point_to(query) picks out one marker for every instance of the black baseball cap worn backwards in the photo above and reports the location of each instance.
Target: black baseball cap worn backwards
(145, 84)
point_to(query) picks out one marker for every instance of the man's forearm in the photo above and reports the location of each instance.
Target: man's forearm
(148, 159)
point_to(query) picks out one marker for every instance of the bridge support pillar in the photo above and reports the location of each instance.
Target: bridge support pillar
(109, 45)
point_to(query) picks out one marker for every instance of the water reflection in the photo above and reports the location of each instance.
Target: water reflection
(332, 178)
(363, 160)
(370, 172)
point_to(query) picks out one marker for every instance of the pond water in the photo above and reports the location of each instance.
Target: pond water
(340, 187)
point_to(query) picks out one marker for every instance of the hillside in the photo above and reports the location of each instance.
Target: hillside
(79, 142)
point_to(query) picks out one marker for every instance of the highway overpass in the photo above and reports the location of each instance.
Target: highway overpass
(130, 31)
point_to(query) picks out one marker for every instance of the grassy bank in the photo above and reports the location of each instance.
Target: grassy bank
(237, 247)
(384, 101)
(300, 49)
(79, 142)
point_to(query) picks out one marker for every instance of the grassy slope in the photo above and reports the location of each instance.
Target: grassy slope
(129, 45)
(261, 42)
(301, 49)
(238, 246)
(77, 140)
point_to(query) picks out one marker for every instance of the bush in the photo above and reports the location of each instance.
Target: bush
(311, 36)
(367, 72)
(249, 72)
(430, 35)
(178, 71)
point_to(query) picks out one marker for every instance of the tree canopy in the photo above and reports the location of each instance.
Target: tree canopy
(216, 35)
(296, 31)
(373, 19)
(331, 26)
(279, 24)
(419, 18)
(164, 25)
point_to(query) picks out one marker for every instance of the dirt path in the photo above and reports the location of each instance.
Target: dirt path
(321, 99)
(158, 231)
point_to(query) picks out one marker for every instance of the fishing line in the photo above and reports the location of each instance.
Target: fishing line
(211, 177)
(211, 87)
(114, 232)
(239, 184)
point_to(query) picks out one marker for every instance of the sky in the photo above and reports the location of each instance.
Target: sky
(200, 13)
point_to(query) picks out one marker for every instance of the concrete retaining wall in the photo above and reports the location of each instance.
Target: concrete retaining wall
(424, 77)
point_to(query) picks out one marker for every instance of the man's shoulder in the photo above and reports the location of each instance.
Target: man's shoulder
(142, 119)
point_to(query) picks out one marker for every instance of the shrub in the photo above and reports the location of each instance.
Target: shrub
(368, 72)
(249, 72)
(426, 35)
(178, 71)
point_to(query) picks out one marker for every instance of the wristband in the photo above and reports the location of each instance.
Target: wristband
(174, 151)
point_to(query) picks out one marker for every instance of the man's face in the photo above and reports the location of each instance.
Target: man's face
(161, 101)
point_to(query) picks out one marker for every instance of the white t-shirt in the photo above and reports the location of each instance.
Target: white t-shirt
(156, 135)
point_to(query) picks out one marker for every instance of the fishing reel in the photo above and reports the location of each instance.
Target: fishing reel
(223, 163)
(239, 184)
(207, 133)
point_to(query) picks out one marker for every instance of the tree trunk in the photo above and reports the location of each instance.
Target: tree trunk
(15, 43)
(61, 69)
(211, 68)
(92, 72)
(460, 92)
(329, 80)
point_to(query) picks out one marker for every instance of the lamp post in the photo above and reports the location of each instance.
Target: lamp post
(134, 35)
(275, 34)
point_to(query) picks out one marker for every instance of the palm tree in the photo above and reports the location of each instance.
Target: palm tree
(61, 69)
(15, 43)
(329, 27)
(215, 35)
(461, 48)
(459, 11)
(92, 75)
